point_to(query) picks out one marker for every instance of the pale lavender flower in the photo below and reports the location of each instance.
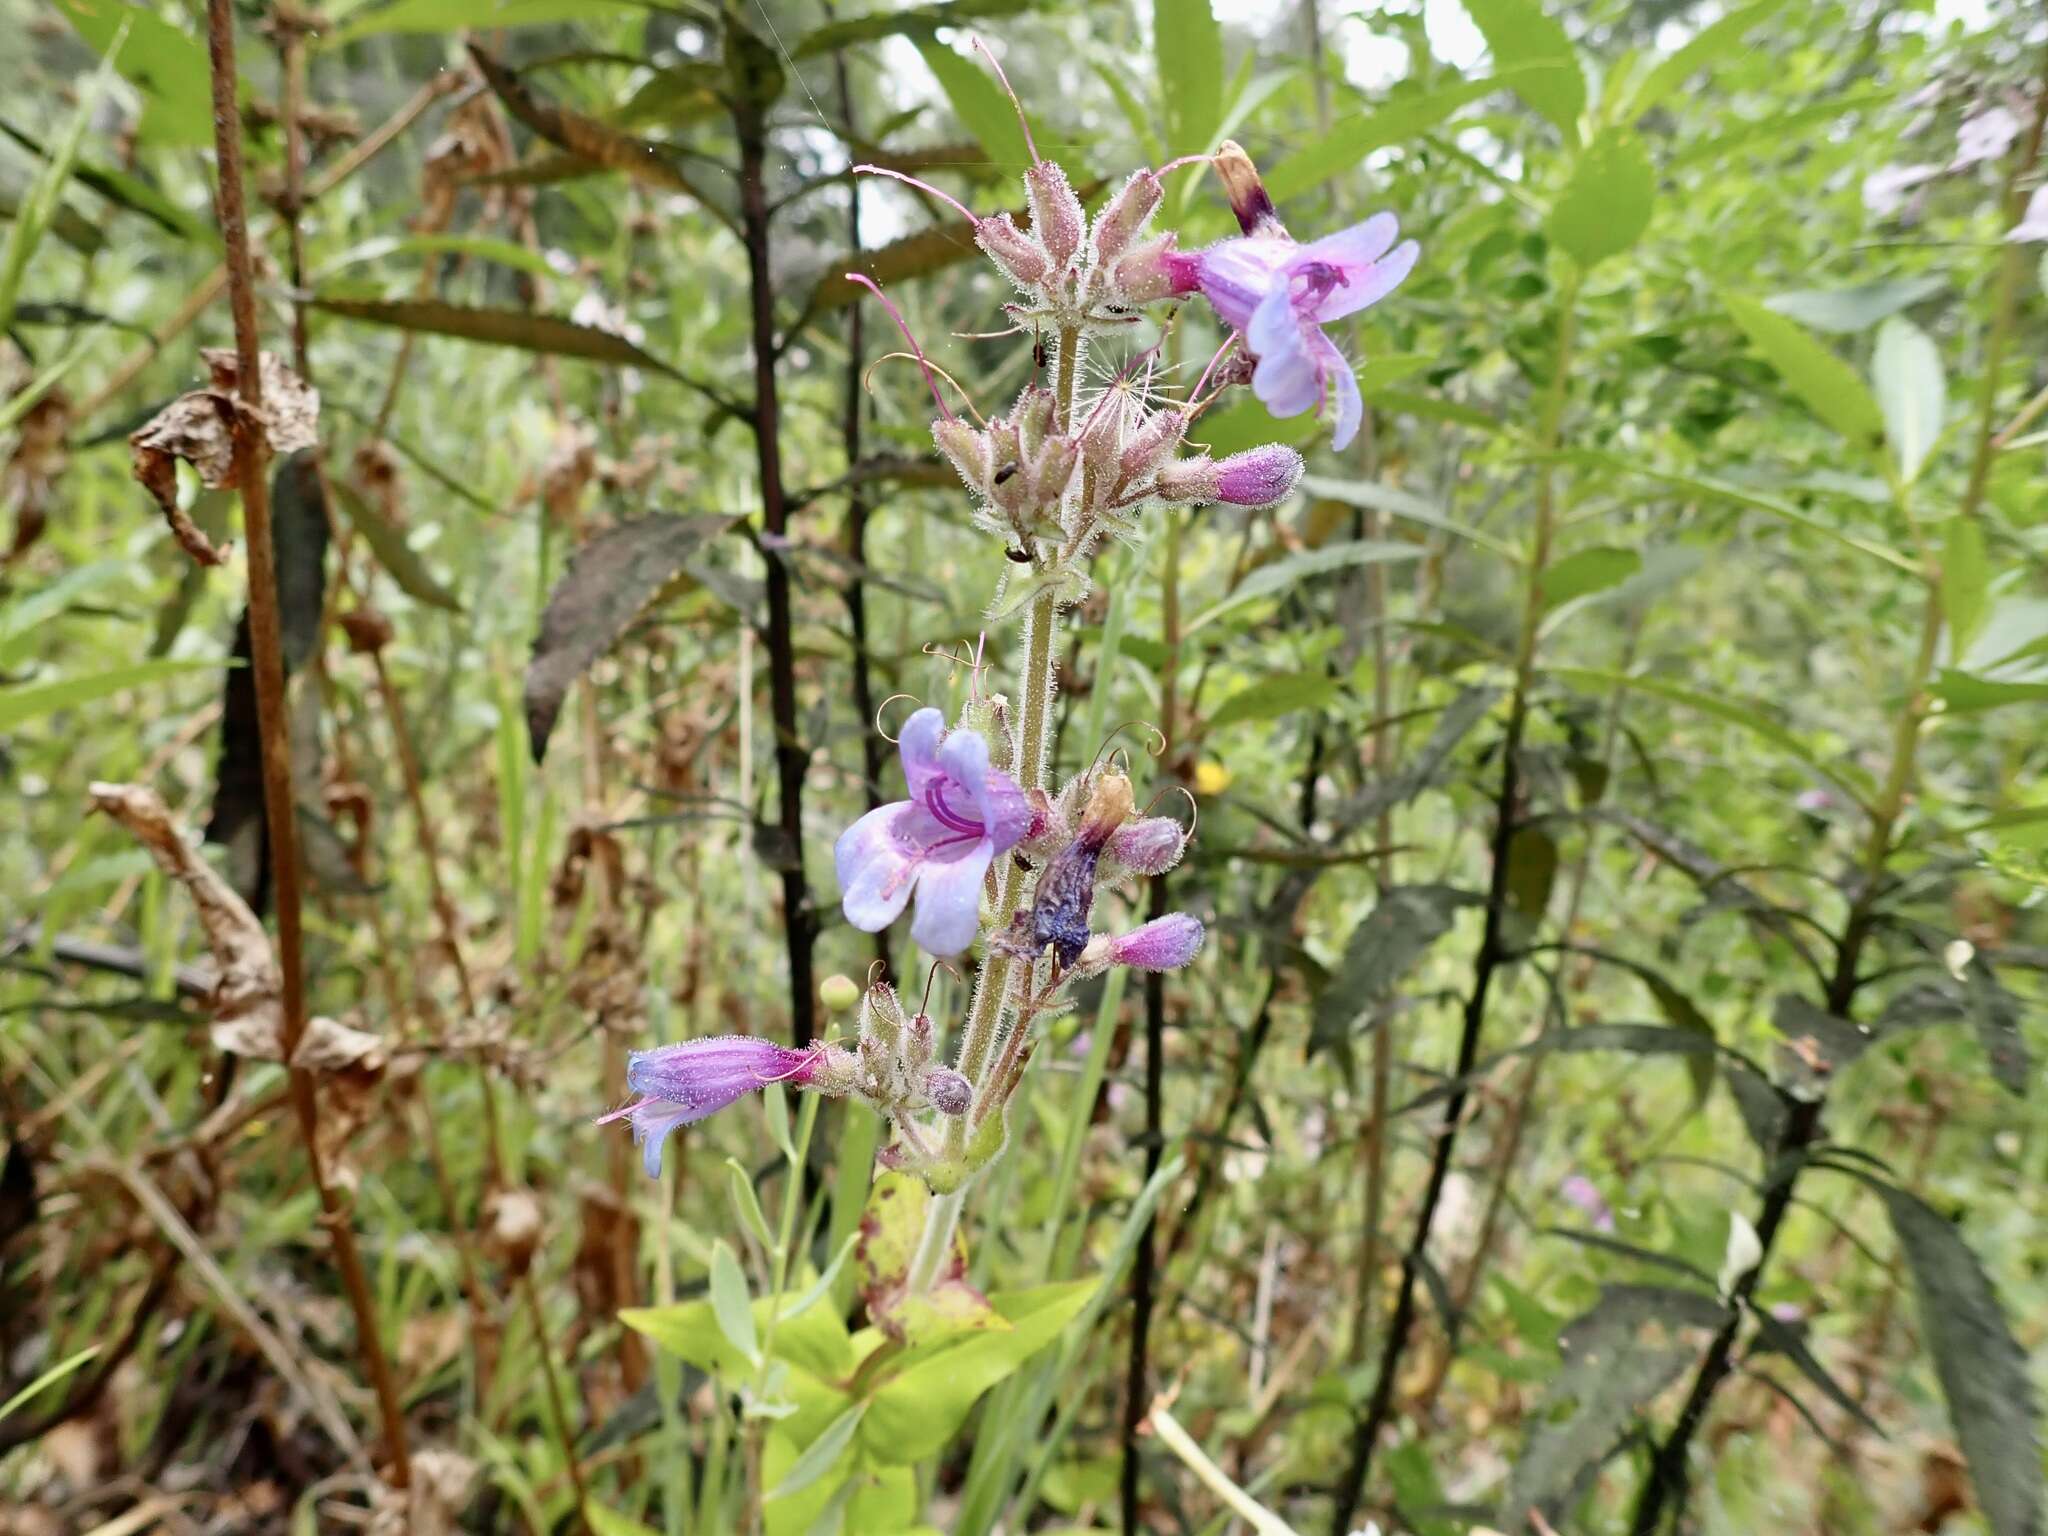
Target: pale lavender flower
(1884, 190)
(2033, 224)
(1164, 944)
(1581, 1193)
(1987, 136)
(1151, 845)
(1257, 477)
(681, 1084)
(938, 843)
(1281, 294)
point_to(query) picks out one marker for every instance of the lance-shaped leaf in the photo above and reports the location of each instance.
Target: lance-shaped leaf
(1382, 949)
(641, 159)
(1426, 767)
(611, 580)
(918, 21)
(401, 562)
(1829, 386)
(1982, 1367)
(500, 328)
(1618, 1356)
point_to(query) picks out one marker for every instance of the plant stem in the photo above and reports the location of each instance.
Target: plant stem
(1145, 1267)
(798, 922)
(267, 658)
(1493, 950)
(554, 1390)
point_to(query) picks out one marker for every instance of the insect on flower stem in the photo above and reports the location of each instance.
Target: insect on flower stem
(916, 351)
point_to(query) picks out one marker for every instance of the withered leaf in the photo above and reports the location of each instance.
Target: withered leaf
(199, 428)
(611, 579)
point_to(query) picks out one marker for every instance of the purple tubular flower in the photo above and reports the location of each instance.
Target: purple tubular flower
(1281, 295)
(939, 843)
(1164, 944)
(681, 1084)
(1259, 477)
(1581, 1193)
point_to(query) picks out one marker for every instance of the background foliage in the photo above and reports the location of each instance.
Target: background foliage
(1624, 756)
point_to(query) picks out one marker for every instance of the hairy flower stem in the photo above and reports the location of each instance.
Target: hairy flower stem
(1668, 1480)
(1493, 949)
(980, 1062)
(272, 711)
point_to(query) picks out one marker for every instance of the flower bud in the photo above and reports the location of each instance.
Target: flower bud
(1153, 271)
(918, 1042)
(838, 993)
(1052, 470)
(881, 1015)
(1056, 218)
(1192, 481)
(1021, 258)
(1164, 944)
(968, 450)
(1258, 477)
(1149, 846)
(950, 1093)
(1150, 444)
(1035, 413)
(1125, 215)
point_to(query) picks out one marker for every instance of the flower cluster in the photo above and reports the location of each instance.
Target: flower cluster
(982, 847)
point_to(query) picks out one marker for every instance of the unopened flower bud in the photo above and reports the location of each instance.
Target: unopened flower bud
(1149, 846)
(881, 1015)
(1164, 944)
(1151, 443)
(968, 450)
(1053, 469)
(838, 993)
(1192, 481)
(1125, 215)
(1035, 414)
(919, 1042)
(1056, 218)
(1258, 477)
(1022, 260)
(950, 1093)
(1153, 271)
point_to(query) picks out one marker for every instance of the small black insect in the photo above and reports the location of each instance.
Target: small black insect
(1021, 556)
(1006, 471)
(1039, 355)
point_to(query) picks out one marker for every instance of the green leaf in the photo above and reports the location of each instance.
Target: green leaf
(474, 15)
(917, 1411)
(1845, 311)
(1829, 386)
(1844, 777)
(729, 1301)
(979, 102)
(1706, 47)
(1351, 139)
(517, 328)
(165, 61)
(609, 1522)
(1189, 45)
(38, 210)
(1983, 1370)
(746, 1204)
(817, 1457)
(122, 189)
(401, 562)
(1605, 207)
(1519, 33)
(1384, 947)
(1966, 693)
(891, 1228)
(814, 1342)
(1965, 582)
(23, 617)
(31, 701)
(1532, 871)
(49, 1378)
(918, 21)
(609, 584)
(1284, 574)
(1616, 1358)
(1272, 697)
(1911, 392)
(1587, 571)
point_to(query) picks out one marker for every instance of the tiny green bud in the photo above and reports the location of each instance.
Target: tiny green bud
(838, 993)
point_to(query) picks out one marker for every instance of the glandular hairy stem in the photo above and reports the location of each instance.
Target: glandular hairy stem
(980, 1061)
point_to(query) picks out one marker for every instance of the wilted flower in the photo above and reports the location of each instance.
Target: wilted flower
(1066, 890)
(939, 843)
(1280, 295)
(681, 1084)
